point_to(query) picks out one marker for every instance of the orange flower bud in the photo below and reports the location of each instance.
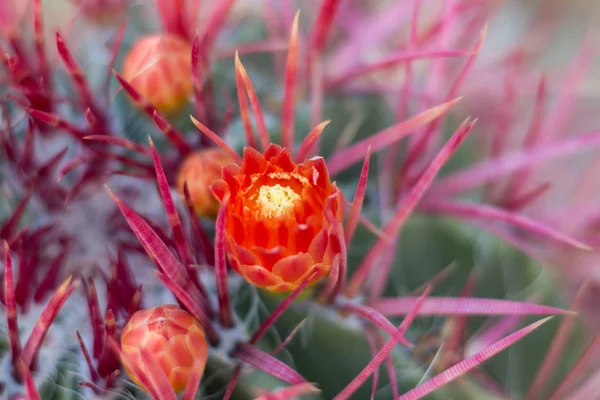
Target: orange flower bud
(283, 220)
(171, 335)
(159, 67)
(200, 170)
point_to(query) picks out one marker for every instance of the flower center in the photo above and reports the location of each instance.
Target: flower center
(276, 201)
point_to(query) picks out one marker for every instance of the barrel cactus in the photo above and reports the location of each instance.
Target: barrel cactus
(277, 200)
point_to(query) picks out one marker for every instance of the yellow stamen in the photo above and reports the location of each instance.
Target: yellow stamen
(276, 201)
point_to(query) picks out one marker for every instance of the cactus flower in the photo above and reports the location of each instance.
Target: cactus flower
(283, 220)
(171, 335)
(200, 170)
(159, 67)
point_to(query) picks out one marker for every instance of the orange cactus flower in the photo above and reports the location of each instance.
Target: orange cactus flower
(283, 220)
(171, 335)
(159, 67)
(200, 170)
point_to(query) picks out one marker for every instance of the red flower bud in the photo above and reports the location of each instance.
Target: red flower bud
(200, 170)
(171, 335)
(159, 67)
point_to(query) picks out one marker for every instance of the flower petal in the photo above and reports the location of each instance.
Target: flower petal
(220, 189)
(319, 173)
(322, 269)
(319, 245)
(269, 257)
(284, 161)
(303, 237)
(293, 267)
(246, 256)
(272, 151)
(253, 162)
(259, 276)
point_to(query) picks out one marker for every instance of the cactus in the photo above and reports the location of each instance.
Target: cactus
(241, 202)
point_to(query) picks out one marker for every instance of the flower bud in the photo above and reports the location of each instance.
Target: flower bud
(173, 336)
(159, 67)
(200, 170)
(283, 219)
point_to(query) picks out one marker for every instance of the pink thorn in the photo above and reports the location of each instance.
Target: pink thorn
(38, 27)
(191, 306)
(90, 118)
(136, 300)
(469, 363)
(391, 62)
(196, 67)
(77, 75)
(559, 115)
(214, 25)
(357, 204)
(401, 110)
(382, 354)
(32, 392)
(173, 135)
(10, 303)
(137, 98)
(589, 354)
(486, 171)
(480, 211)
(88, 359)
(342, 159)
(52, 273)
(552, 357)
(407, 205)
(121, 142)
(289, 97)
(72, 164)
(157, 376)
(135, 369)
(204, 242)
(95, 317)
(57, 122)
(244, 110)
(235, 376)
(41, 327)
(588, 389)
(8, 227)
(275, 46)
(455, 343)
(436, 279)
(221, 269)
(288, 339)
(172, 215)
(423, 141)
(309, 142)
(323, 24)
(217, 140)
(263, 133)
(377, 319)
(525, 199)
(337, 277)
(289, 393)
(117, 42)
(156, 249)
(280, 309)
(260, 360)
(111, 324)
(316, 88)
(193, 383)
(453, 306)
(391, 370)
(372, 339)
(166, 11)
